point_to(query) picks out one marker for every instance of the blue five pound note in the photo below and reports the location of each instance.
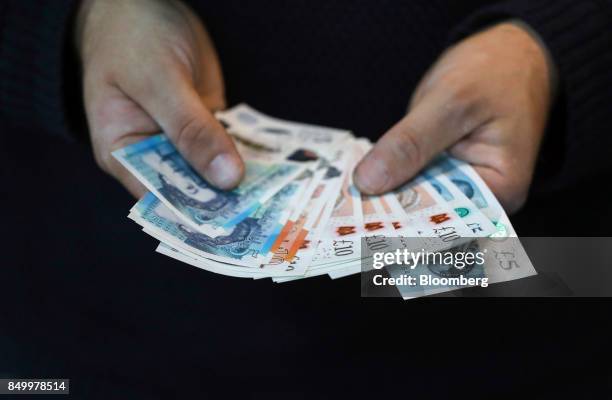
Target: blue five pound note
(160, 167)
(246, 244)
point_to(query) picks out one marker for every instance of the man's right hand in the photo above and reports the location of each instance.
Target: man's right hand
(148, 66)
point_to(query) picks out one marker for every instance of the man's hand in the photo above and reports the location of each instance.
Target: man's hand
(149, 65)
(486, 100)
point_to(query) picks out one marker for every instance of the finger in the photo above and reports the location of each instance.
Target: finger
(408, 146)
(476, 153)
(177, 107)
(115, 122)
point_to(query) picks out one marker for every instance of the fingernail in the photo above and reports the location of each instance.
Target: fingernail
(371, 176)
(223, 171)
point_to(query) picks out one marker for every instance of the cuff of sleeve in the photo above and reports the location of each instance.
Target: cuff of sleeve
(36, 64)
(578, 36)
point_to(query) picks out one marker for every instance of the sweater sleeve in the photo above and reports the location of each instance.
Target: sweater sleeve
(36, 65)
(578, 35)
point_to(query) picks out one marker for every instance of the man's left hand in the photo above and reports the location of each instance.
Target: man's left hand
(486, 101)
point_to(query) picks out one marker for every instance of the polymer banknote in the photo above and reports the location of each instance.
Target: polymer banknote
(247, 244)
(161, 168)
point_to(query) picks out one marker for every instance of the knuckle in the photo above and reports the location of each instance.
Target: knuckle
(458, 97)
(196, 138)
(189, 133)
(408, 148)
(459, 102)
(453, 85)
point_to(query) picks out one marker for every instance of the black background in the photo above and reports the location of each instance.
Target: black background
(84, 296)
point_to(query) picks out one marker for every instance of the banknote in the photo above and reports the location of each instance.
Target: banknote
(343, 271)
(344, 254)
(337, 253)
(377, 217)
(298, 247)
(158, 165)
(505, 260)
(437, 270)
(350, 267)
(471, 184)
(248, 124)
(428, 216)
(297, 241)
(346, 219)
(476, 221)
(310, 251)
(246, 244)
(296, 228)
(205, 264)
(338, 240)
(303, 257)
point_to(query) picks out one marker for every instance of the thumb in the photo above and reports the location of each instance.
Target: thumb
(178, 108)
(406, 148)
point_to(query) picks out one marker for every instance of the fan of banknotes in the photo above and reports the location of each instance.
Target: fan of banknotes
(297, 213)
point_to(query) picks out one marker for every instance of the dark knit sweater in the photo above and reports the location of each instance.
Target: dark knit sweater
(345, 63)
